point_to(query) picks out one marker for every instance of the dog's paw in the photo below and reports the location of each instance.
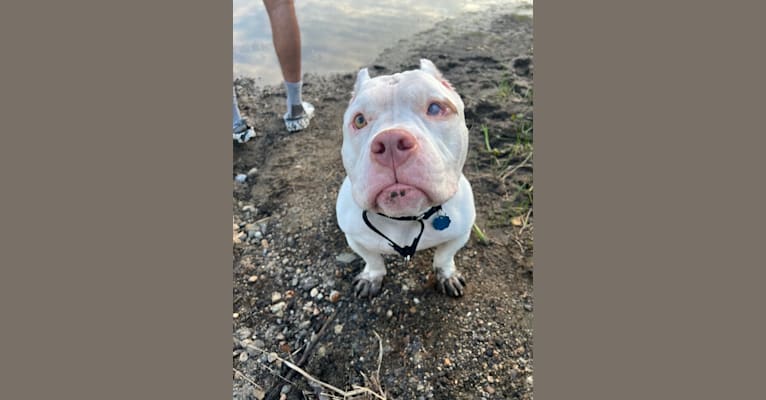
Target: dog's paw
(367, 287)
(452, 286)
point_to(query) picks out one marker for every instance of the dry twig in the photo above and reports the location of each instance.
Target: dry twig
(275, 390)
(525, 221)
(517, 166)
(243, 376)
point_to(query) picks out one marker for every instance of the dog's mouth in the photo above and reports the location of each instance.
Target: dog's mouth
(400, 200)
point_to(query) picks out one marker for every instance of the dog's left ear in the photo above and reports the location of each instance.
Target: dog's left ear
(429, 67)
(361, 77)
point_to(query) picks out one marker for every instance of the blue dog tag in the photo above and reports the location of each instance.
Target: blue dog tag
(441, 222)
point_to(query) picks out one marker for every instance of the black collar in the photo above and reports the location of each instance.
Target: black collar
(426, 215)
(406, 251)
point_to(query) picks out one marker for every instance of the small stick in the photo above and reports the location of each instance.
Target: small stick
(309, 377)
(380, 353)
(274, 391)
(526, 222)
(482, 238)
(515, 167)
(241, 375)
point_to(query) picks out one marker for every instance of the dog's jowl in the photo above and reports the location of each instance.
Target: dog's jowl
(404, 145)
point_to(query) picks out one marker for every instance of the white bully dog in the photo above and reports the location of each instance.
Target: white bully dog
(404, 146)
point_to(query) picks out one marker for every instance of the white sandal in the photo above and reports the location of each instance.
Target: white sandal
(242, 131)
(301, 122)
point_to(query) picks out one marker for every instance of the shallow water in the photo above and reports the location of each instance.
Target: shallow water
(342, 35)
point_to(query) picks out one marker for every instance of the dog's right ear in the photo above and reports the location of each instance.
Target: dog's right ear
(361, 77)
(427, 66)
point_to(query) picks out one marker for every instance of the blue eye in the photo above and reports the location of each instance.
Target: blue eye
(434, 109)
(359, 121)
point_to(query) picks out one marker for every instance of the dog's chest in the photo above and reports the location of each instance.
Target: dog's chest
(403, 234)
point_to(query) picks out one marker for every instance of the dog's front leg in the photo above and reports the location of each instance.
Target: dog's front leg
(368, 282)
(448, 279)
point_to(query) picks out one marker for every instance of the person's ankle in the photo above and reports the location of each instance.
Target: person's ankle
(296, 110)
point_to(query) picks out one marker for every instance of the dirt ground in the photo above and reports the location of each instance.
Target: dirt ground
(293, 271)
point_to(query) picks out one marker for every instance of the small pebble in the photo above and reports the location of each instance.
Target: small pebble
(244, 333)
(235, 315)
(243, 356)
(389, 313)
(252, 349)
(338, 329)
(242, 236)
(253, 171)
(275, 297)
(284, 347)
(240, 178)
(314, 292)
(272, 356)
(521, 87)
(252, 279)
(309, 283)
(346, 258)
(334, 296)
(447, 362)
(528, 307)
(416, 300)
(278, 307)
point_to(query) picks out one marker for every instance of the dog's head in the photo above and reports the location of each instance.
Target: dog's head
(404, 141)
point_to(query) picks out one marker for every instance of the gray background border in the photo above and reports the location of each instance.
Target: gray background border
(116, 168)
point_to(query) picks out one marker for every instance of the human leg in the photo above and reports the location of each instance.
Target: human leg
(287, 44)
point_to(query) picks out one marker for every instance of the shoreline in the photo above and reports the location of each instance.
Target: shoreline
(460, 20)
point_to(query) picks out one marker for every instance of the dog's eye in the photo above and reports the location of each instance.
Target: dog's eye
(359, 121)
(434, 109)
